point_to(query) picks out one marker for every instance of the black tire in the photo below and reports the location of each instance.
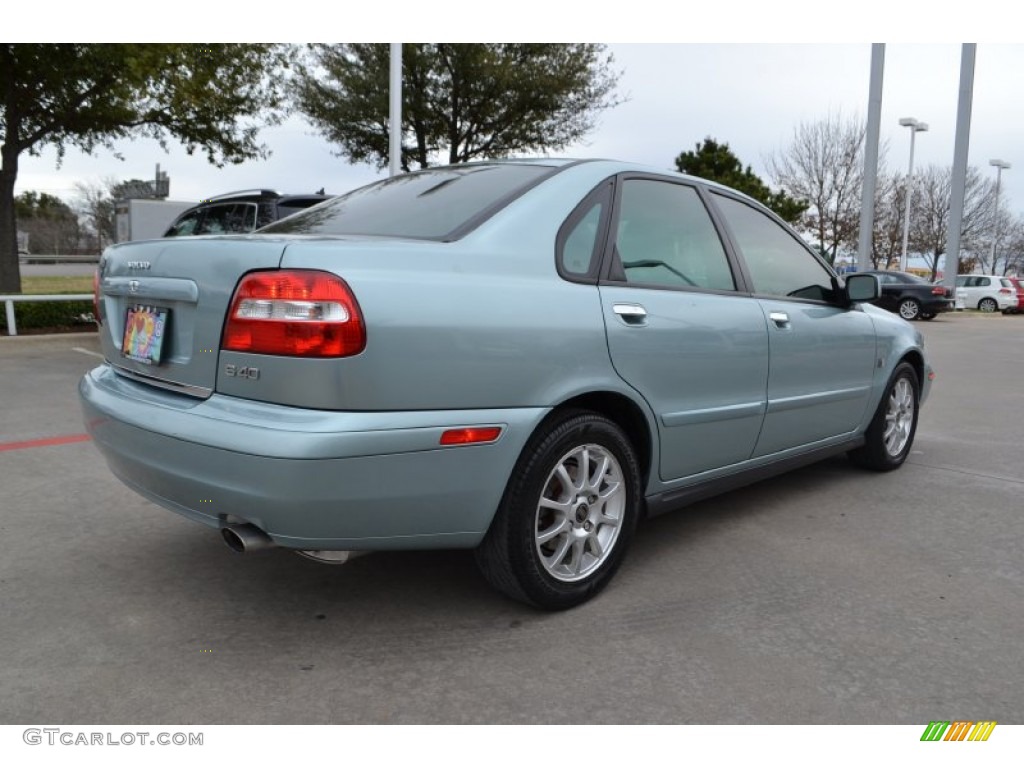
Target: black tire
(927, 316)
(513, 557)
(882, 452)
(988, 305)
(910, 309)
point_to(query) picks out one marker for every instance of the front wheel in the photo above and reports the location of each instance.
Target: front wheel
(988, 305)
(890, 435)
(910, 309)
(567, 516)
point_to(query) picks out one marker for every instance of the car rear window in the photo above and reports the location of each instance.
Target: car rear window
(433, 204)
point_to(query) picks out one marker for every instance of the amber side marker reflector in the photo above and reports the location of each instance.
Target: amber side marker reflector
(470, 435)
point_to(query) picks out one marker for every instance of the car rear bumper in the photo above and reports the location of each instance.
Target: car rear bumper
(935, 306)
(310, 479)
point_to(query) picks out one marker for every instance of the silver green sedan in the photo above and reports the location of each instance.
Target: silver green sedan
(520, 357)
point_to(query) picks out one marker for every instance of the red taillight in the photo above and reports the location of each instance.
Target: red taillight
(294, 312)
(938, 290)
(96, 295)
(1005, 290)
(470, 435)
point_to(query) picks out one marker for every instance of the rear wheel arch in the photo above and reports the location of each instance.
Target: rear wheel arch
(625, 413)
(567, 513)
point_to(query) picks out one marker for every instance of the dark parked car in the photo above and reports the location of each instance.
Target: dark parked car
(240, 212)
(522, 358)
(910, 296)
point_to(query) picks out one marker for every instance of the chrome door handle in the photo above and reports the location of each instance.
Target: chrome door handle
(781, 319)
(631, 314)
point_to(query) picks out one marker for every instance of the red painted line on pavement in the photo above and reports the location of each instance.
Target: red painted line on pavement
(44, 442)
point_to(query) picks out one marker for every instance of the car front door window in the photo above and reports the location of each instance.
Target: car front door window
(779, 264)
(822, 352)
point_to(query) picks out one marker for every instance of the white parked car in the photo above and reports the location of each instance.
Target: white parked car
(987, 292)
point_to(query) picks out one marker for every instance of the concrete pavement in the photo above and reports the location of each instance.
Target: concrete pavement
(830, 595)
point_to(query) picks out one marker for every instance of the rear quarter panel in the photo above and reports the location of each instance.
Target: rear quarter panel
(484, 322)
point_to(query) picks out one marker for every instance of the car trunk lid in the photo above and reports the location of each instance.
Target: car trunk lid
(172, 297)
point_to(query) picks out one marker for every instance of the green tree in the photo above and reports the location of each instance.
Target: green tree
(211, 97)
(716, 162)
(463, 101)
(51, 224)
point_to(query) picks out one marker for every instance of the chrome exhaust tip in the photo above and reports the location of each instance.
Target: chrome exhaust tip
(246, 538)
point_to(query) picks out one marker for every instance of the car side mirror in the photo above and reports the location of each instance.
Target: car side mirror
(862, 288)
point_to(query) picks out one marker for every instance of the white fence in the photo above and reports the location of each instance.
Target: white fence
(12, 329)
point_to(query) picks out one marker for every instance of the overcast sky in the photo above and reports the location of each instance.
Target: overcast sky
(749, 95)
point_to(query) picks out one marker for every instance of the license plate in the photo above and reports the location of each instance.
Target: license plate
(144, 331)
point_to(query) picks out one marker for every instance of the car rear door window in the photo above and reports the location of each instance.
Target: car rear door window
(778, 262)
(664, 237)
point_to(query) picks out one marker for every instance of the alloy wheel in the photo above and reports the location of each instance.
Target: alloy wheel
(899, 417)
(580, 512)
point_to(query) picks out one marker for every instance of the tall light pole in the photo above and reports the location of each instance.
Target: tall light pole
(867, 199)
(395, 111)
(916, 127)
(1000, 165)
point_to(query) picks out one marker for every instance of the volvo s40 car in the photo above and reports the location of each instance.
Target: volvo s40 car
(522, 357)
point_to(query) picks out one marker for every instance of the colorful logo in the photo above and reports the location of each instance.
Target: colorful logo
(958, 730)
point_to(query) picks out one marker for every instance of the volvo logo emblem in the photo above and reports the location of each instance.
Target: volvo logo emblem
(133, 286)
(138, 265)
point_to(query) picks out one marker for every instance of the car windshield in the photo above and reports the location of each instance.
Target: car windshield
(433, 204)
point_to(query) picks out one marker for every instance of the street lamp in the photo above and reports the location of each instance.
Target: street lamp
(1000, 165)
(915, 126)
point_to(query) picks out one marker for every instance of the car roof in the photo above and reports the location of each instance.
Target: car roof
(612, 167)
(261, 195)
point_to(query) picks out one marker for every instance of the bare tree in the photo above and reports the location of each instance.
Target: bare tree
(1001, 223)
(94, 204)
(1012, 247)
(890, 209)
(929, 224)
(824, 166)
